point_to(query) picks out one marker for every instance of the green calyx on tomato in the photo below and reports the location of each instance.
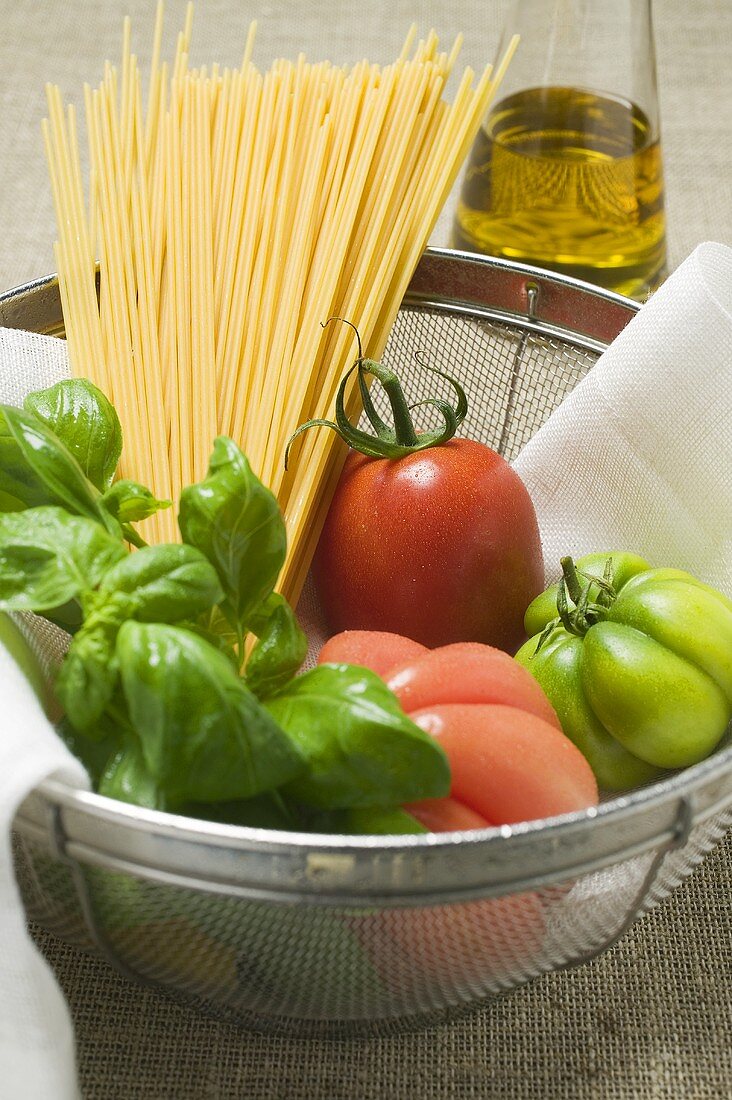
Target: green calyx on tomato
(401, 439)
(638, 664)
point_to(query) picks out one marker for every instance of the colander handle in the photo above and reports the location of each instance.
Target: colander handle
(679, 837)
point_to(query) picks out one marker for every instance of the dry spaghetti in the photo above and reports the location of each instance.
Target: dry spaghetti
(229, 216)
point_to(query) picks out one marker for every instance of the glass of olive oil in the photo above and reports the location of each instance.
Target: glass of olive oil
(566, 170)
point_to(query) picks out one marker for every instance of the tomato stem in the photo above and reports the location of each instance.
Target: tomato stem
(572, 581)
(384, 441)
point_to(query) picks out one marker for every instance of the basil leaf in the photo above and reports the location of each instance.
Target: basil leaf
(86, 423)
(52, 474)
(373, 821)
(128, 778)
(94, 755)
(235, 521)
(19, 486)
(204, 736)
(10, 503)
(281, 649)
(361, 748)
(130, 502)
(157, 583)
(87, 679)
(48, 557)
(264, 811)
(68, 616)
(225, 641)
(164, 584)
(382, 822)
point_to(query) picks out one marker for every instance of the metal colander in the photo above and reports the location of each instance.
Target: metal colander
(334, 933)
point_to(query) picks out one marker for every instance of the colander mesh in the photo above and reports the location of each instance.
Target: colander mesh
(300, 965)
(264, 961)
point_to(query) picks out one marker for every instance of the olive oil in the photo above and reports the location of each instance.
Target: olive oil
(571, 181)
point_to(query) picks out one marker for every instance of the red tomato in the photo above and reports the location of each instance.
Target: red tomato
(445, 815)
(374, 649)
(508, 765)
(468, 673)
(441, 545)
(510, 760)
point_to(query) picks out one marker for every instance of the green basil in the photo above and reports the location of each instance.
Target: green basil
(48, 557)
(51, 475)
(86, 423)
(19, 486)
(130, 502)
(382, 822)
(371, 821)
(205, 737)
(235, 521)
(128, 778)
(280, 650)
(164, 583)
(94, 755)
(264, 811)
(87, 679)
(361, 748)
(10, 503)
(215, 630)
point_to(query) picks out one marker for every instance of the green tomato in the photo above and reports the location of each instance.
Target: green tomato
(646, 681)
(556, 666)
(12, 639)
(543, 609)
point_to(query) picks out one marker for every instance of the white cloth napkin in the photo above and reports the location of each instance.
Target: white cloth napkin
(36, 1035)
(637, 458)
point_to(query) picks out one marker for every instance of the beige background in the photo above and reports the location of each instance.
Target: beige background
(652, 1018)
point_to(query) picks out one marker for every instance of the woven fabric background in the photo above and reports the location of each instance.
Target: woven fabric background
(653, 1016)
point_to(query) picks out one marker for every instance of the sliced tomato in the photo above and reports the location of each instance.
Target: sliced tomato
(508, 765)
(446, 815)
(467, 673)
(377, 650)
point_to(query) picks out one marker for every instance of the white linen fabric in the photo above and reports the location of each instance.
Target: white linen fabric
(36, 1036)
(637, 457)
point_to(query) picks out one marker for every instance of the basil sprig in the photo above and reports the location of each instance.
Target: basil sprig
(180, 685)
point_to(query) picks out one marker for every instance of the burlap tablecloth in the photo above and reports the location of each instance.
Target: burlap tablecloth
(652, 1017)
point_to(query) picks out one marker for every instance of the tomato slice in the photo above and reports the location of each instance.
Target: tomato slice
(445, 815)
(375, 649)
(468, 672)
(507, 765)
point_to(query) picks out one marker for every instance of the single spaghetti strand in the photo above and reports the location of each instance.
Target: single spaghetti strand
(111, 267)
(147, 302)
(69, 200)
(237, 281)
(205, 373)
(172, 299)
(63, 290)
(185, 350)
(156, 78)
(279, 379)
(255, 327)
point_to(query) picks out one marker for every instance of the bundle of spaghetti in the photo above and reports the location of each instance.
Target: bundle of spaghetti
(230, 215)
